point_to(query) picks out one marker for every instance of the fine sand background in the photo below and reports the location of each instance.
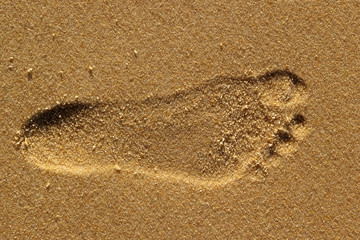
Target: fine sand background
(132, 50)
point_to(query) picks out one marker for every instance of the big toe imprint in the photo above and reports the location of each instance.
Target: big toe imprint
(213, 133)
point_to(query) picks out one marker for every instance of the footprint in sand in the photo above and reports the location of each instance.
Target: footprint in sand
(210, 134)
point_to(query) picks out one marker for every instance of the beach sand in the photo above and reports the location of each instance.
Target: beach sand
(158, 120)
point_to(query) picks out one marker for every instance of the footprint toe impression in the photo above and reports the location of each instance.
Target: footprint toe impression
(211, 133)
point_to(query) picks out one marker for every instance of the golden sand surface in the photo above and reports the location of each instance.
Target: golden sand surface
(179, 120)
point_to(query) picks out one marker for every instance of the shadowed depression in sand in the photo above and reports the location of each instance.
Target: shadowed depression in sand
(214, 133)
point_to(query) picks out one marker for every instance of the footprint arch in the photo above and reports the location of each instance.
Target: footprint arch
(211, 134)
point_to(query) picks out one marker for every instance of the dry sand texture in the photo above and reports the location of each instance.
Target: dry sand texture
(158, 120)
